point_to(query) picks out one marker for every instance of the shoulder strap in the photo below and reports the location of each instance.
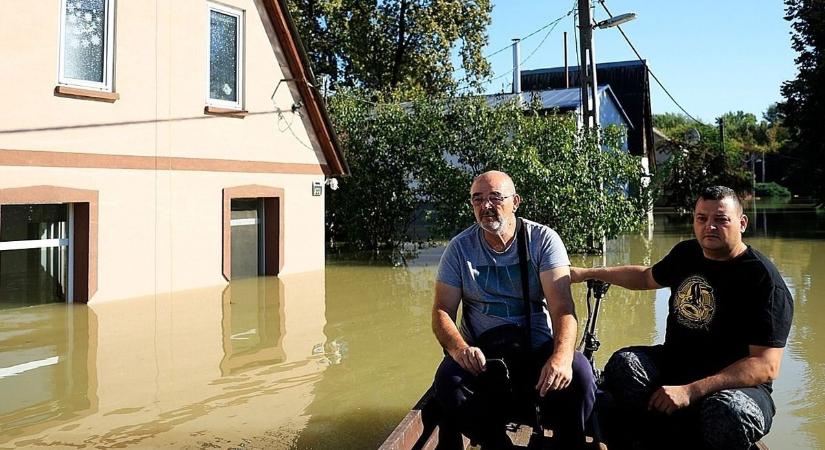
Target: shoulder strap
(525, 284)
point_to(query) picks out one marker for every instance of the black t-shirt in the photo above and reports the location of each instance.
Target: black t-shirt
(718, 308)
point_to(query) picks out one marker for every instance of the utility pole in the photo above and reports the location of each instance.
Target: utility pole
(587, 68)
(590, 94)
(566, 70)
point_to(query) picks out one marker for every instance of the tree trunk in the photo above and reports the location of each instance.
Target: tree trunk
(399, 49)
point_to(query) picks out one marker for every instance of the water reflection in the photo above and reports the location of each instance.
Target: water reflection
(47, 375)
(211, 367)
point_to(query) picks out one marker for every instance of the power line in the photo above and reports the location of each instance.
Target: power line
(552, 25)
(533, 33)
(647, 67)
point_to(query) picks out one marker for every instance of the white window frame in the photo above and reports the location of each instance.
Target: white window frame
(239, 51)
(108, 51)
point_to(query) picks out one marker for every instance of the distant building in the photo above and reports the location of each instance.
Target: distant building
(629, 82)
(569, 100)
(156, 146)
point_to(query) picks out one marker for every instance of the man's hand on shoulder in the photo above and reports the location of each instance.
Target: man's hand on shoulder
(555, 375)
(470, 359)
(669, 399)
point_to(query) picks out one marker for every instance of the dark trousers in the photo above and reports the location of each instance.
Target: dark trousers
(728, 419)
(481, 406)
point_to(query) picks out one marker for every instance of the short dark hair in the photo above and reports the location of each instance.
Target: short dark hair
(719, 193)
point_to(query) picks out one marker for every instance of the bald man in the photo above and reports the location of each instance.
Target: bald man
(480, 270)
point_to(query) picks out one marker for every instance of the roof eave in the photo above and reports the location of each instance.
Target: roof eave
(298, 62)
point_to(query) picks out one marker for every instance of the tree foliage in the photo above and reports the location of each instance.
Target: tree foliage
(804, 106)
(414, 162)
(388, 44)
(693, 166)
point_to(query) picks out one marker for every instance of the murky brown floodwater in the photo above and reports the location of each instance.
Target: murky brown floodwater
(329, 360)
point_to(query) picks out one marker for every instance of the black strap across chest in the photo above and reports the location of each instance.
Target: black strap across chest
(525, 283)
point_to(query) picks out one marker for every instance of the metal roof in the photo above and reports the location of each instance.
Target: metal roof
(561, 99)
(606, 65)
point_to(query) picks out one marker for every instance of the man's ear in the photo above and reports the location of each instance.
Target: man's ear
(516, 202)
(743, 223)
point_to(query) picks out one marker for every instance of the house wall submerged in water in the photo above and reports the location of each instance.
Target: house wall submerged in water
(156, 146)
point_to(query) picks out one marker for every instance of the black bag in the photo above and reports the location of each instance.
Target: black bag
(504, 341)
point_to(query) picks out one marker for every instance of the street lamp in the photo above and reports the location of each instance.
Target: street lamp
(587, 63)
(615, 20)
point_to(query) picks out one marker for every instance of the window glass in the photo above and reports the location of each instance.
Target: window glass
(247, 233)
(223, 56)
(30, 222)
(84, 40)
(33, 272)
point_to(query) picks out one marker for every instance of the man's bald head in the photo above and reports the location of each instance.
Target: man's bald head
(501, 180)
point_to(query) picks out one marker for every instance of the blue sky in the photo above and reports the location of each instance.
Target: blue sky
(713, 56)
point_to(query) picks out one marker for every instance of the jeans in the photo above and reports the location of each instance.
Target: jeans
(728, 419)
(480, 406)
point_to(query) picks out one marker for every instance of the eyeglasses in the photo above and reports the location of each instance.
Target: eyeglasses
(495, 199)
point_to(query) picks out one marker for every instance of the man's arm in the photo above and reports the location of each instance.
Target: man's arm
(558, 370)
(761, 366)
(445, 308)
(629, 277)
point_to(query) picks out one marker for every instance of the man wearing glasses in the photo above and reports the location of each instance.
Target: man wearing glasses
(480, 269)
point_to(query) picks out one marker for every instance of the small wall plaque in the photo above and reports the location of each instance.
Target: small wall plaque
(317, 188)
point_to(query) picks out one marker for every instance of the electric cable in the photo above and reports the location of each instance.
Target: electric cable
(648, 68)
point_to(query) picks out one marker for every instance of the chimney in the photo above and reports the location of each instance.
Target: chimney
(516, 67)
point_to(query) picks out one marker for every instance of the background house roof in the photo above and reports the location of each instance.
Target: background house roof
(628, 80)
(561, 99)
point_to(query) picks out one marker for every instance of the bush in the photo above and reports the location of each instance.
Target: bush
(771, 189)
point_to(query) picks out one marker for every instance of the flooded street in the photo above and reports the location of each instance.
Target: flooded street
(334, 359)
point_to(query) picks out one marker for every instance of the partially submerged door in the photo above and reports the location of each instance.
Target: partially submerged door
(247, 224)
(35, 254)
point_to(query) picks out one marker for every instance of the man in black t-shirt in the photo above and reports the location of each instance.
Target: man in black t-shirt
(709, 384)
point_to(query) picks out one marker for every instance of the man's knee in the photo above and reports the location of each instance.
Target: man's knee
(630, 375)
(730, 419)
(450, 383)
(583, 378)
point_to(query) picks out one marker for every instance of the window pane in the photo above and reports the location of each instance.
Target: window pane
(84, 34)
(246, 238)
(33, 276)
(223, 57)
(30, 222)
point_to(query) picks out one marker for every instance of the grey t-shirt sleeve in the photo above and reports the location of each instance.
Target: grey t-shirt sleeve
(449, 268)
(552, 252)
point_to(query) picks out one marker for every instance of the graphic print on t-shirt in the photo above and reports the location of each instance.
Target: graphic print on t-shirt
(500, 283)
(694, 303)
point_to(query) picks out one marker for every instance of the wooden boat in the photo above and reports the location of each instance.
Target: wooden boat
(418, 430)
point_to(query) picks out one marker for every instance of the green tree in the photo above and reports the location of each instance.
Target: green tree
(417, 159)
(387, 44)
(692, 166)
(804, 106)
